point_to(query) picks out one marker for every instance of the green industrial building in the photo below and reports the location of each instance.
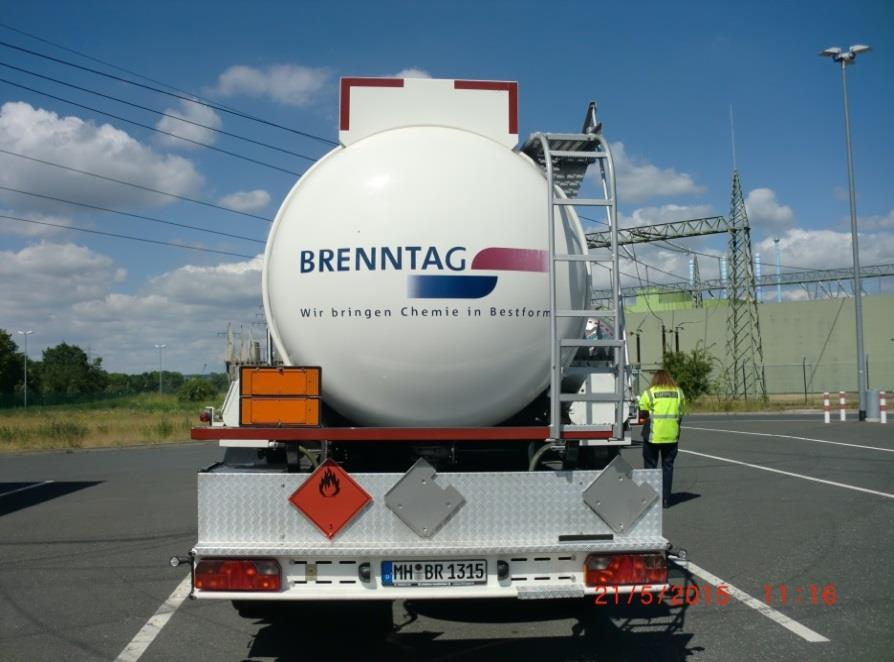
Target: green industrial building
(807, 345)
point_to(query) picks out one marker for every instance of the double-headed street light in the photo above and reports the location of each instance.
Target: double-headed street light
(846, 58)
(160, 349)
(26, 333)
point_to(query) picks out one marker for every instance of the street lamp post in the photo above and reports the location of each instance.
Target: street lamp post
(160, 349)
(26, 333)
(846, 58)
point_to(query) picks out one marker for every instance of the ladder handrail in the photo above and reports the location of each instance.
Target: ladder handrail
(555, 381)
(609, 188)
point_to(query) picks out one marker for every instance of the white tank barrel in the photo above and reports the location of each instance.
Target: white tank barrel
(412, 266)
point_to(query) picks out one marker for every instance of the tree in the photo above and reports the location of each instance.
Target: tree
(196, 390)
(691, 371)
(66, 370)
(11, 364)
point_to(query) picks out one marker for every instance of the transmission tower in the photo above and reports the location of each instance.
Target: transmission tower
(698, 295)
(744, 371)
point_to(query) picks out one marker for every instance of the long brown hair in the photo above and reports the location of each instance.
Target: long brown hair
(663, 378)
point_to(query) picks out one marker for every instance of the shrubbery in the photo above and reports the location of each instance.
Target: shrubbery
(691, 370)
(196, 390)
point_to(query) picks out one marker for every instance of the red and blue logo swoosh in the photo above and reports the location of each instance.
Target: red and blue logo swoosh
(475, 287)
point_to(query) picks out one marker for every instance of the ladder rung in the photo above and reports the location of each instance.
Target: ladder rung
(591, 397)
(590, 342)
(583, 202)
(569, 427)
(585, 313)
(565, 154)
(562, 257)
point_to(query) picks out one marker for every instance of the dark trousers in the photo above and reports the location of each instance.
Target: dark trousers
(668, 455)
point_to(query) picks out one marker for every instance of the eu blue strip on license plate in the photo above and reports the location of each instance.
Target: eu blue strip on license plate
(434, 573)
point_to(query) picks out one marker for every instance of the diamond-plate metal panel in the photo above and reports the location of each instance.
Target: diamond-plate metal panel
(550, 592)
(505, 512)
(616, 498)
(422, 504)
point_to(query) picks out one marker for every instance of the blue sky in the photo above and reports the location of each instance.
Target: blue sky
(664, 75)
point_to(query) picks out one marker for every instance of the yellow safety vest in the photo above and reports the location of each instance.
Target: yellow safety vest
(665, 405)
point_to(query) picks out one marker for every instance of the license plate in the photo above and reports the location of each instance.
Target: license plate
(434, 573)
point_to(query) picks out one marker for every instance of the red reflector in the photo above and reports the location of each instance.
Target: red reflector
(237, 575)
(622, 569)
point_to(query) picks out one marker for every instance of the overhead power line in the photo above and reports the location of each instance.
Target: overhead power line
(137, 216)
(152, 128)
(592, 220)
(158, 112)
(204, 203)
(151, 88)
(651, 266)
(125, 236)
(98, 60)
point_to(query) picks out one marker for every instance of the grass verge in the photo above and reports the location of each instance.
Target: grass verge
(154, 418)
(125, 421)
(774, 403)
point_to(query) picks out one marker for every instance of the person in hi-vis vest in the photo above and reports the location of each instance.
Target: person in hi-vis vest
(665, 404)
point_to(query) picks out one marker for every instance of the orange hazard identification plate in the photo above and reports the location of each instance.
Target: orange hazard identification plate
(330, 498)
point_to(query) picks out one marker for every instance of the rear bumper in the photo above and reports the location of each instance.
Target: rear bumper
(555, 576)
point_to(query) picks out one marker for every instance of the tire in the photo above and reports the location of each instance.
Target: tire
(597, 457)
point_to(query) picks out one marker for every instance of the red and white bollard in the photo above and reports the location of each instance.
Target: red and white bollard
(842, 404)
(882, 407)
(827, 414)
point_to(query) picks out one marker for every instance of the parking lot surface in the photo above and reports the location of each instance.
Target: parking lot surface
(766, 504)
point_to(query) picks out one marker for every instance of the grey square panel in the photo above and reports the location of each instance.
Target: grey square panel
(616, 498)
(422, 504)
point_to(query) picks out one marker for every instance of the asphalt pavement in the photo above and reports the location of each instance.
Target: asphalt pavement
(760, 502)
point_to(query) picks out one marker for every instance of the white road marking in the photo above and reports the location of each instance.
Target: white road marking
(766, 610)
(138, 645)
(789, 473)
(27, 487)
(789, 436)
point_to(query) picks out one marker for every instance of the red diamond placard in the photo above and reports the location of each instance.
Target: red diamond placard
(330, 498)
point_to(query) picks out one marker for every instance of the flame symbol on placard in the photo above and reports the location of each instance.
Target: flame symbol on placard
(329, 485)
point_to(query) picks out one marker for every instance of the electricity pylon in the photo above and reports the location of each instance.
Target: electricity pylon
(744, 370)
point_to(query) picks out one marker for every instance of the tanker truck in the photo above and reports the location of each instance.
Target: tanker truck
(444, 407)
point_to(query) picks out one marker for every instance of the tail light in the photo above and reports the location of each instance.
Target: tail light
(621, 569)
(205, 417)
(237, 575)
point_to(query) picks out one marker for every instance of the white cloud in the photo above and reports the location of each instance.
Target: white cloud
(828, 249)
(16, 228)
(43, 280)
(194, 112)
(185, 308)
(885, 222)
(233, 283)
(246, 200)
(640, 180)
(764, 210)
(665, 214)
(71, 293)
(412, 72)
(652, 265)
(289, 84)
(101, 149)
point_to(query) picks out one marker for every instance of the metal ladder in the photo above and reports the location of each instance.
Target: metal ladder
(565, 159)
